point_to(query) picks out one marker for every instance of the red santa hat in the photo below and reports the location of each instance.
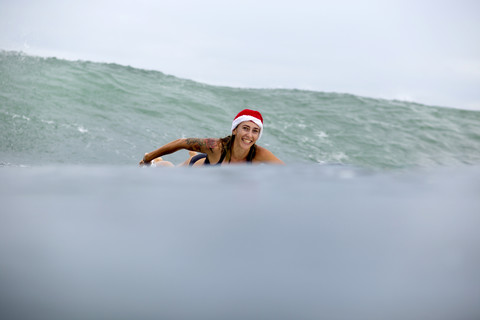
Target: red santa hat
(249, 115)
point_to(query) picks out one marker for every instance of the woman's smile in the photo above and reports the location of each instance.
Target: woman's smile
(248, 133)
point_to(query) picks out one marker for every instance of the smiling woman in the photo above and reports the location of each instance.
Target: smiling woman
(239, 147)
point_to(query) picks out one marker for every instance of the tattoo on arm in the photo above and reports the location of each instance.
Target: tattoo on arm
(200, 145)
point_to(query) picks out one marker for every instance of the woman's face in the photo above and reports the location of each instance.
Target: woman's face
(246, 133)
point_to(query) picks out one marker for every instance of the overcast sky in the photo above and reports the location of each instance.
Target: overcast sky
(422, 51)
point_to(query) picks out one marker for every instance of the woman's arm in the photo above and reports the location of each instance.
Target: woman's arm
(208, 146)
(266, 156)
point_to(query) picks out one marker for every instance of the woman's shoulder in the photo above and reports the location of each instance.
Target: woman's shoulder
(264, 155)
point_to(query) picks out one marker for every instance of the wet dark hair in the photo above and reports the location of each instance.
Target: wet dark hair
(227, 144)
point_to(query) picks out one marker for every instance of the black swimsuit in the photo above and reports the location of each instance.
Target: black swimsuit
(199, 156)
(207, 162)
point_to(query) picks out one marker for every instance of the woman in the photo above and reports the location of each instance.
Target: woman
(240, 147)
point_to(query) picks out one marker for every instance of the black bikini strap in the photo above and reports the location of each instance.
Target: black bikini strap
(222, 157)
(197, 157)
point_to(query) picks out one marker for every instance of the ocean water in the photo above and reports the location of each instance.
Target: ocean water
(62, 112)
(375, 215)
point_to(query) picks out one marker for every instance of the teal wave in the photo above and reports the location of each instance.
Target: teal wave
(79, 112)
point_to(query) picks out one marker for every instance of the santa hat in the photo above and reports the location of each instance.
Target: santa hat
(249, 115)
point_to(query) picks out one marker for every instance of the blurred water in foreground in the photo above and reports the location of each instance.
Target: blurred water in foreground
(294, 242)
